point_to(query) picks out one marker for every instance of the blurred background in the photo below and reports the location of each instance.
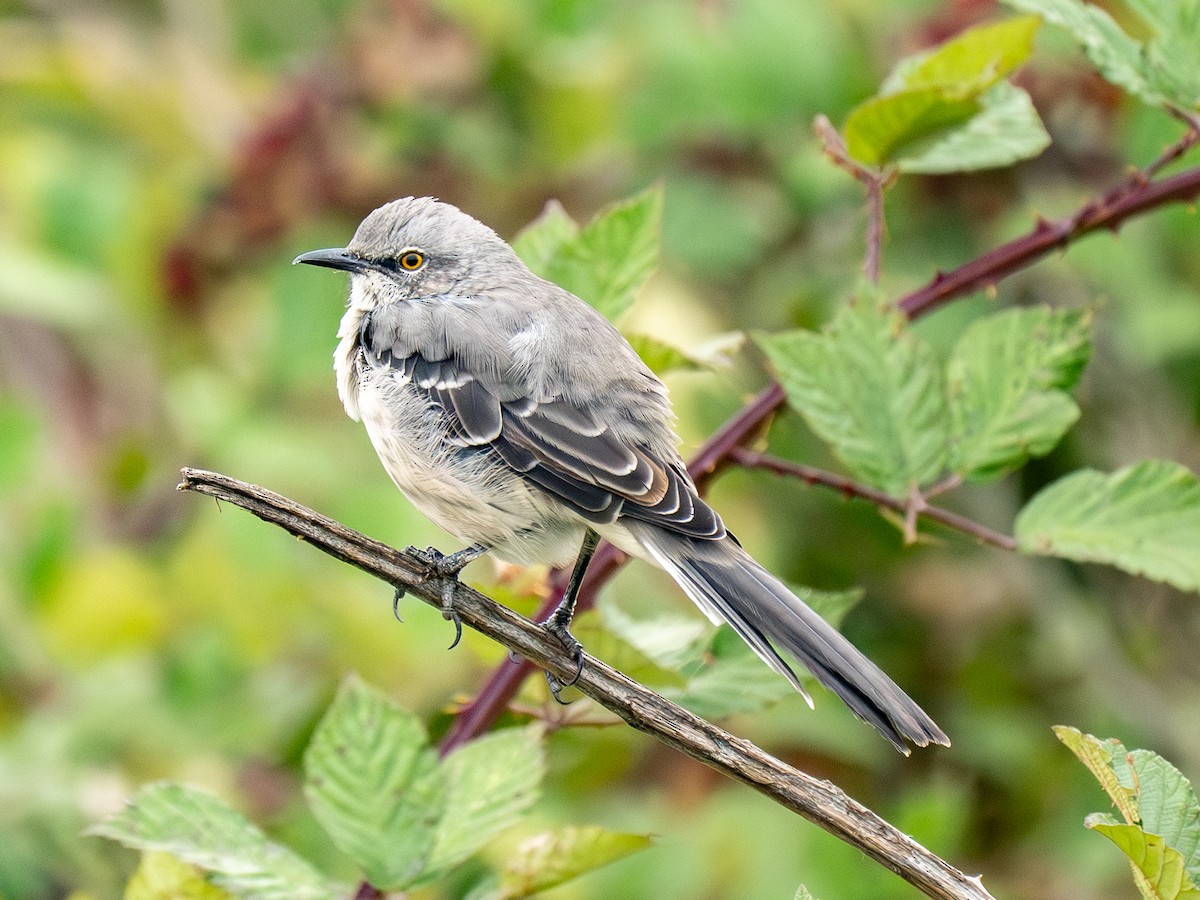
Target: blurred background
(160, 165)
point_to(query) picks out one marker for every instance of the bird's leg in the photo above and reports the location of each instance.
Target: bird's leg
(560, 620)
(448, 567)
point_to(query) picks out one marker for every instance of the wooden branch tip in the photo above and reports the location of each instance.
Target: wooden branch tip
(819, 801)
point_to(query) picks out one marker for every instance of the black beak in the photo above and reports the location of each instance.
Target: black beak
(335, 258)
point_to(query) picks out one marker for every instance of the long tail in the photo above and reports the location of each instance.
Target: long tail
(730, 586)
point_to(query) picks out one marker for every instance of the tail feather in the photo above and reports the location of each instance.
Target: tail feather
(730, 586)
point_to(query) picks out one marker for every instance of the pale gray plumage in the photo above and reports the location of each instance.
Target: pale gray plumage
(516, 417)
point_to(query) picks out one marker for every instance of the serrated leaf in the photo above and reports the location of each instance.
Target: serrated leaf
(1168, 807)
(489, 783)
(198, 828)
(371, 780)
(1163, 69)
(542, 239)
(1005, 130)
(1144, 519)
(872, 390)
(1099, 757)
(1006, 380)
(1172, 57)
(1163, 876)
(607, 261)
(546, 860)
(935, 90)
(160, 876)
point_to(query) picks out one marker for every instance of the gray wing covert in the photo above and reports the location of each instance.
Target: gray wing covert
(565, 450)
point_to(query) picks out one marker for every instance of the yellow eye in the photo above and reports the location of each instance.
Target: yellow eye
(412, 260)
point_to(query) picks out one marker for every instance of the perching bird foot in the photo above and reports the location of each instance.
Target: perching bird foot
(557, 626)
(448, 568)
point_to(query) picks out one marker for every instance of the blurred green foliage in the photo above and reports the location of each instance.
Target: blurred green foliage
(160, 164)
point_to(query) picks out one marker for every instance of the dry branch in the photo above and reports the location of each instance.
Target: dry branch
(819, 801)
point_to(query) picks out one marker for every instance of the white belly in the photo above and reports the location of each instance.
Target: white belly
(470, 494)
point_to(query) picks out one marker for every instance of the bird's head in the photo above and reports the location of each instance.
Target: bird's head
(419, 248)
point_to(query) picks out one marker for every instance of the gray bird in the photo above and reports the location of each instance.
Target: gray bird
(517, 418)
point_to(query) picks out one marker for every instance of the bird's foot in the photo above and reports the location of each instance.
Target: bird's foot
(557, 626)
(448, 568)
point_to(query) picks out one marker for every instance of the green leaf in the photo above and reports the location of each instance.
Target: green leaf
(1007, 380)
(733, 681)
(671, 641)
(938, 89)
(1160, 867)
(1099, 756)
(662, 357)
(1111, 50)
(872, 390)
(1005, 130)
(489, 783)
(372, 782)
(1165, 68)
(803, 893)
(486, 889)
(543, 238)
(832, 606)
(877, 128)
(1161, 832)
(607, 261)
(197, 828)
(546, 860)
(722, 676)
(160, 876)
(1174, 63)
(1144, 519)
(1168, 807)
(976, 59)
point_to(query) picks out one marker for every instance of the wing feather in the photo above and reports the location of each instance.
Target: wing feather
(566, 450)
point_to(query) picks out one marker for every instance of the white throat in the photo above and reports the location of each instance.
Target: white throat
(345, 363)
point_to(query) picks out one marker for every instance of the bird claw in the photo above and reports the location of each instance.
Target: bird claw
(396, 598)
(555, 626)
(451, 616)
(446, 567)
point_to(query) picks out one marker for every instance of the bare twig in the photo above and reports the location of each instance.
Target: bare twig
(876, 181)
(873, 261)
(1129, 199)
(820, 802)
(1190, 138)
(850, 488)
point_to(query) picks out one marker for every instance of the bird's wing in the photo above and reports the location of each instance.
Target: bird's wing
(561, 447)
